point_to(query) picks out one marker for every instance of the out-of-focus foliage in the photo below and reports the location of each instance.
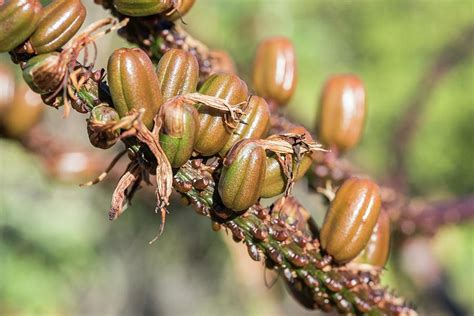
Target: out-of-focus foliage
(60, 255)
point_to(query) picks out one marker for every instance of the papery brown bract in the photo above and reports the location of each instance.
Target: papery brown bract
(143, 7)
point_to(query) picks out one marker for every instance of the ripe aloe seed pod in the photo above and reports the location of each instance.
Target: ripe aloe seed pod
(180, 9)
(213, 133)
(133, 83)
(242, 175)
(18, 20)
(7, 84)
(275, 178)
(59, 22)
(377, 250)
(143, 7)
(274, 70)
(342, 112)
(253, 125)
(24, 113)
(178, 133)
(43, 73)
(351, 219)
(178, 73)
(99, 136)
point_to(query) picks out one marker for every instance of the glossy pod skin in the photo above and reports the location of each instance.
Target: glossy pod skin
(242, 175)
(18, 20)
(378, 248)
(213, 133)
(182, 7)
(178, 133)
(142, 7)
(274, 70)
(351, 219)
(275, 179)
(99, 116)
(342, 112)
(133, 83)
(42, 73)
(178, 73)
(255, 124)
(59, 22)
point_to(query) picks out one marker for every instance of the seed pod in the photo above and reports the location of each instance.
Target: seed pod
(60, 21)
(221, 62)
(44, 73)
(253, 125)
(24, 113)
(142, 7)
(242, 175)
(213, 133)
(181, 8)
(100, 136)
(275, 178)
(18, 20)
(377, 250)
(342, 112)
(178, 133)
(178, 73)
(274, 70)
(7, 84)
(351, 218)
(133, 83)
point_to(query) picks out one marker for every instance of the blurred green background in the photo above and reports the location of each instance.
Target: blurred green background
(59, 254)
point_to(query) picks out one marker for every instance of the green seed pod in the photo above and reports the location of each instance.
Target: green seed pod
(178, 133)
(44, 73)
(242, 175)
(274, 70)
(18, 20)
(99, 136)
(60, 21)
(213, 133)
(133, 83)
(377, 250)
(275, 178)
(253, 125)
(142, 7)
(180, 9)
(342, 112)
(351, 219)
(178, 73)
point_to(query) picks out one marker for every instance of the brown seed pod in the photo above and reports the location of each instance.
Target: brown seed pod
(351, 219)
(143, 7)
(180, 8)
(7, 84)
(44, 73)
(274, 70)
(213, 132)
(178, 73)
(342, 112)
(59, 22)
(99, 126)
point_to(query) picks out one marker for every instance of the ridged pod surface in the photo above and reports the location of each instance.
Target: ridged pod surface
(101, 115)
(142, 7)
(254, 125)
(351, 219)
(178, 133)
(178, 73)
(43, 73)
(18, 20)
(377, 250)
(213, 133)
(342, 112)
(133, 83)
(242, 175)
(274, 70)
(275, 179)
(59, 22)
(182, 7)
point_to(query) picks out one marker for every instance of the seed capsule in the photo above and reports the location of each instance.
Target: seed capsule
(44, 73)
(213, 133)
(18, 20)
(100, 136)
(377, 250)
(274, 70)
(180, 9)
(178, 133)
(253, 125)
(142, 7)
(351, 218)
(342, 112)
(59, 22)
(275, 178)
(133, 83)
(242, 175)
(178, 73)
